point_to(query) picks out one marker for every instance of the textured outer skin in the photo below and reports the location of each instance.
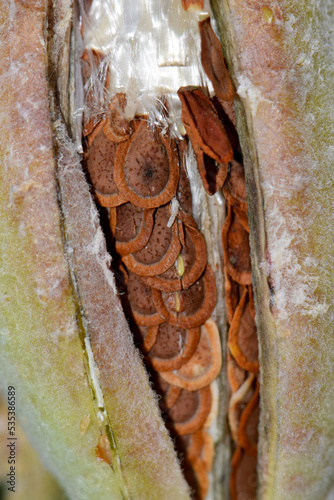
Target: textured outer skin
(41, 330)
(282, 69)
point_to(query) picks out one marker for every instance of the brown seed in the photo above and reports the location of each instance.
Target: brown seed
(169, 393)
(236, 375)
(233, 292)
(234, 189)
(193, 445)
(235, 241)
(189, 265)
(243, 218)
(226, 113)
(116, 127)
(139, 305)
(191, 307)
(213, 174)
(183, 193)
(161, 250)
(203, 464)
(148, 335)
(173, 347)
(146, 168)
(243, 480)
(242, 337)
(203, 124)
(133, 229)
(190, 411)
(204, 365)
(99, 162)
(249, 420)
(213, 61)
(92, 127)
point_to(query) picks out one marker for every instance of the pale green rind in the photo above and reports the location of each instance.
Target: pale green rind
(41, 350)
(143, 446)
(144, 456)
(283, 72)
(33, 481)
(41, 353)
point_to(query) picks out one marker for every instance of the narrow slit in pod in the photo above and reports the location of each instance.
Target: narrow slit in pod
(191, 307)
(147, 168)
(138, 303)
(204, 365)
(189, 412)
(173, 347)
(99, 163)
(189, 265)
(235, 241)
(248, 433)
(133, 228)
(242, 337)
(161, 250)
(117, 128)
(213, 61)
(203, 125)
(243, 479)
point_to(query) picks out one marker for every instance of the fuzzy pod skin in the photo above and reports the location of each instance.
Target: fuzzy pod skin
(59, 309)
(41, 342)
(283, 74)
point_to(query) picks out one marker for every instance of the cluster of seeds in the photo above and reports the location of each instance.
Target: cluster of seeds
(242, 363)
(167, 287)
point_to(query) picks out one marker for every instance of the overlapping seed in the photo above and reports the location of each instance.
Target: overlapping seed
(169, 293)
(170, 289)
(218, 156)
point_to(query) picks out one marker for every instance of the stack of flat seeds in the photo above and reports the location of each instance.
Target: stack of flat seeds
(138, 174)
(210, 125)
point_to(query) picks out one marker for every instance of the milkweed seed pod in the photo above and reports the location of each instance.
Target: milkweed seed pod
(159, 217)
(168, 288)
